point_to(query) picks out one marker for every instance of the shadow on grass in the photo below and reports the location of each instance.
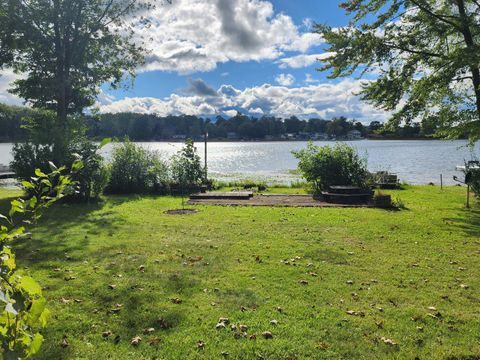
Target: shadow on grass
(50, 239)
(467, 221)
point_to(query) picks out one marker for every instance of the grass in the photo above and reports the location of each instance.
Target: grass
(384, 267)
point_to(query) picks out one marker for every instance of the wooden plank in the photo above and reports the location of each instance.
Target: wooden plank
(240, 195)
(7, 175)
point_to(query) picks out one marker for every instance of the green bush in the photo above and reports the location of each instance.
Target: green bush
(187, 170)
(44, 146)
(326, 166)
(136, 170)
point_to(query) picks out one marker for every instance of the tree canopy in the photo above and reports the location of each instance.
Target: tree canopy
(66, 49)
(420, 60)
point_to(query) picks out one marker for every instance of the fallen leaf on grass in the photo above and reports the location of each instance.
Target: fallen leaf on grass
(200, 344)
(356, 313)
(274, 322)
(243, 328)
(106, 334)
(388, 341)
(136, 341)
(224, 320)
(322, 345)
(141, 268)
(267, 335)
(112, 286)
(176, 300)
(464, 286)
(153, 340)
(64, 301)
(303, 282)
(64, 342)
(220, 326)
(224, 353)
(349, 282)
(149, 330)
(69, 278)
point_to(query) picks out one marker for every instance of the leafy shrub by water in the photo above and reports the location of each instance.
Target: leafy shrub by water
(326, 166)
(136, 170)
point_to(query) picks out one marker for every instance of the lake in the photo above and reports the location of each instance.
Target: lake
(415, 161)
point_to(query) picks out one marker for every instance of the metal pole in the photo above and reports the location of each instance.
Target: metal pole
(206, 141)
(441, 182)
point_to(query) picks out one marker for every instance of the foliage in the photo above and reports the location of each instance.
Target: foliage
(146, 127)
(40, 149)
(67, 49)
(24, 310)
(134, 169)
(426, 54)
(93, 177)
(326, 166)
(186, 168)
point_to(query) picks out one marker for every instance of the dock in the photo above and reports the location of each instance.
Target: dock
(234, 195)
(7, 175)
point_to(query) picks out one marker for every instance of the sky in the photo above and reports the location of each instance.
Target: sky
(217, 57)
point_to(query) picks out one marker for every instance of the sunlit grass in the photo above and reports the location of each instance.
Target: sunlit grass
(250, 265)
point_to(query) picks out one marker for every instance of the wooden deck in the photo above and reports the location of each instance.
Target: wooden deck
(7, 175)
(271, 200)
(234, 195)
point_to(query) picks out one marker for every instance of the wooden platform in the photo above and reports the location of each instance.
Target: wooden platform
(271, 200)
(234, 195)
(7, 175)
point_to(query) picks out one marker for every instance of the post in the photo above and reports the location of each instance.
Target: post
(468, 196)
(206, 171)
(441, 181)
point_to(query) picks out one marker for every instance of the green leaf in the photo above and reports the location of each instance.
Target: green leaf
(9, 309)
(39, 173)
(29, 285)
(27, 185)
(104, 142)
(35, 345)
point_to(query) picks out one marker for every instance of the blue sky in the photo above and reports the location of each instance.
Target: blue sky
(217, 57)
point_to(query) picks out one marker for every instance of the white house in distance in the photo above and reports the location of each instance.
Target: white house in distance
(354, 135)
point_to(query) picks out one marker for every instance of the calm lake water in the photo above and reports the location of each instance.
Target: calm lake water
(416, 162)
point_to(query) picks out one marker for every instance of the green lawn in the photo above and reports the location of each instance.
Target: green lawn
(341, 283)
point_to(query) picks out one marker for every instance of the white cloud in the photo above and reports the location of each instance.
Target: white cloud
(285, 79)
(310, 80)
(7, 76)
(196, 35)
(301, 61)
(320, 100)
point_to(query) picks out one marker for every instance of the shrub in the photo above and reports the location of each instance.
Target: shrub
(187, 170)
(326, 166)
(44, 145)
(23, 304)
(93, 177)
(134, 169)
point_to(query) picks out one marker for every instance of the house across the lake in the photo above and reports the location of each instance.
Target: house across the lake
(354, 135)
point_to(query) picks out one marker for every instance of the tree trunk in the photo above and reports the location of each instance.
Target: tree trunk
(469, 41)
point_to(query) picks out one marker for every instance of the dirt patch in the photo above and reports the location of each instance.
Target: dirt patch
(181, 212)
(272, 200)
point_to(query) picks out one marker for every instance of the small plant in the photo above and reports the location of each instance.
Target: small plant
(24, 310)
(187, 170)
(326, 166)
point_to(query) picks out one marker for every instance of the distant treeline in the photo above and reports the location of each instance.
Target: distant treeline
(145, 127)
